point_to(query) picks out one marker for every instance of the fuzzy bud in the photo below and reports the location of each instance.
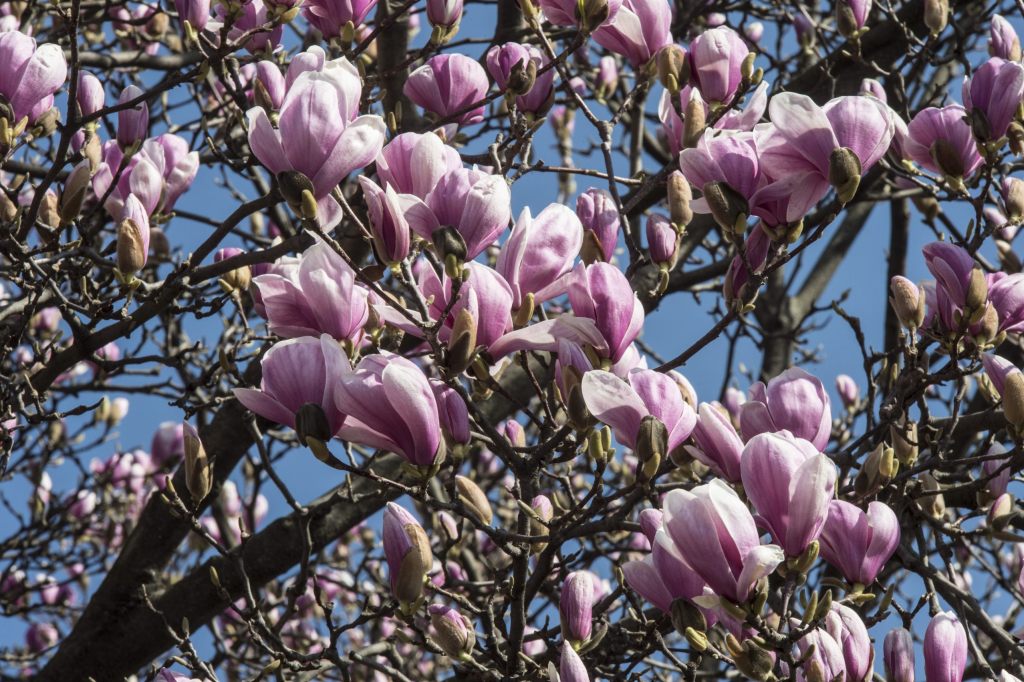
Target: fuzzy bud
(844, 173)
(198, 471)
(474, 499)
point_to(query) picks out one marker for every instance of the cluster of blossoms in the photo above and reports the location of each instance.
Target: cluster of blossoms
(506, 447)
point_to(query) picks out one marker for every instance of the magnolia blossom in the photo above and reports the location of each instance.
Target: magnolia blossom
(859, 543)
(450, 86)
(790, 483)
(539, 253)
(795, 401)
(640, 28)
(940, 140)
(715, 60)
(31, 74)
(718, 538)
(390, 405)
(623, 405)
(326, 137)
(331, 16)
(298, 372)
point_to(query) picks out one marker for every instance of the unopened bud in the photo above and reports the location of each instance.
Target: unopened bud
(936, 15)
(1001, 512)
(679, 197)
(73, 196)
(1013, 399)
(651, 445)
(198, 473)
(879, 468)
(904, 442)
(844, 173)
(1015, 134)
(49, 212)
(931, 501)
(474, 499)
(694, 119)
(846, 20)
(977, 292)
(415, 565)
(131, 250)
(671, 64)
(1013, 199)
(728, 208)
(908, 302)
(462, 343)
(453, 632)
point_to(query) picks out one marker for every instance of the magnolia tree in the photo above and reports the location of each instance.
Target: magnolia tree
(291, 223)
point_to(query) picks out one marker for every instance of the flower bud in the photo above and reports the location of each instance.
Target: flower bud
(131, 246)
(728, 208)
(908, 302)
(899, 656)
(237, 279)
(1013, 399)
(198, 473)
(453, 631)
(848, 391)
(132, 122)
(462, 342)
(679, 198)
(695, 119)
(75, 189)
(522, 77)
(936, 15)
(879, 468)
(49, 211)
(686, 616)
(1001, 511)
(651, 445)
(407, 549)
(662, 241)
(671, 64)
(977, 293)
(851, 15)
(89, 96)
(945, 649)
(904, 442)
(1013, 199)
(576, 607)
(930, 499)
(844, 173)
(474, 500)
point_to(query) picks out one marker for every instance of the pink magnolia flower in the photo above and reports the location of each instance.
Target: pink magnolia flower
(297, 372)
(158, 174)
(716, 443)
(790, 483)
(939, 140)
(1003, 41)
(898, 652)
(640, 28)
(450, 86)
(718, 538)
(540, 252)
(564, 12)
(414, 164)
(31, 74)
(444, 13)
(822, 657)
(392, 236)
(945, 649)
(597, 212)
(575, 606)
(715, 58)
(623, 405)
(848, 629)
(805, 139)
(663, 576)
(503, 60)
(330, 16)
(795, 401)
(321, 296)
(859, 543)
(994, 91)
(254, 17)
(320, 135)
(602, 293)
(390, 405)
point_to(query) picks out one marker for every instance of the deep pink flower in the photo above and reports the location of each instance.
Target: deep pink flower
(859, 543)
(795, 401)
(297, 372)
(939, 140)
(330, 16)
(602, 293)
(640, 28)
(449, 86)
